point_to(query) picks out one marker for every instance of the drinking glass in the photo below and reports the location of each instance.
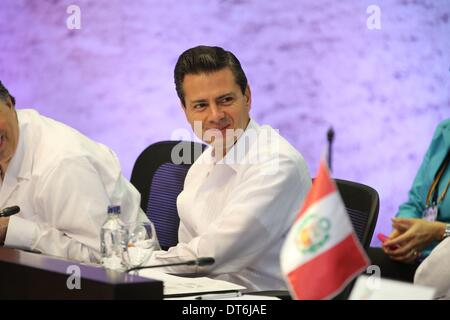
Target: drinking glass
(141, 242)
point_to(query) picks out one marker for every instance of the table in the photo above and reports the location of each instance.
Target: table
(26, 275)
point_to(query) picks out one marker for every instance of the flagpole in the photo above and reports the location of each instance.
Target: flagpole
(330, 138)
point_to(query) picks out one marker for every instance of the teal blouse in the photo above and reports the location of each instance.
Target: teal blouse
(416, 203)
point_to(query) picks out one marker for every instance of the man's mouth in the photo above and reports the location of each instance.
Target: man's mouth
(222, 129)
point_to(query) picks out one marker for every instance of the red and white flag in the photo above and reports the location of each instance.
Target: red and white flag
(321, 254)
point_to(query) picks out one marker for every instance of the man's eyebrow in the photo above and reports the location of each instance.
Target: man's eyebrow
(198, 101)
(225, 95)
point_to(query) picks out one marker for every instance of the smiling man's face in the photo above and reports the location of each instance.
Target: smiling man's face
(216, 101)
(9, 132)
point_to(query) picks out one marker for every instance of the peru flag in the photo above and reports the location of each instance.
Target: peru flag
(321, 254)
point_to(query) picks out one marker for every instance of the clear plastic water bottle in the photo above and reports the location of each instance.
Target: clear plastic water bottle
(114, 241)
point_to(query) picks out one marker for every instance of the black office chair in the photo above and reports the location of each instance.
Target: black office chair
(158, 174)
(362, 203)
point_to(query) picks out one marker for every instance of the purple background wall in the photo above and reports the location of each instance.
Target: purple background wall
(311, 64)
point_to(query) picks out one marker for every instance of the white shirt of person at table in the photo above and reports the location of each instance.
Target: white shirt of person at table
(62, 181)
(434, 271)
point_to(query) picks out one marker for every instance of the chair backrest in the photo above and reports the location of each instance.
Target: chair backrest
(158, 174)
(362, 203)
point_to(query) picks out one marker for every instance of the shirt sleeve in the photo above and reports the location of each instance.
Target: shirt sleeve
(434, 271)
(415, 205)
(258, 214)
(72, 200)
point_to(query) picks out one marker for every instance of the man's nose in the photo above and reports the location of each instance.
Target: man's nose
(216, 114)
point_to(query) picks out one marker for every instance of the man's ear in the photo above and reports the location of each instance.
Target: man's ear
(9, 103)
(248, 97)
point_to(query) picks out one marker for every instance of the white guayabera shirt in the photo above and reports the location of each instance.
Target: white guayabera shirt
(434, 271)
(239, 210)
(63, 182)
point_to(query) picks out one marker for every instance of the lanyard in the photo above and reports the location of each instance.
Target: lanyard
(437, 178)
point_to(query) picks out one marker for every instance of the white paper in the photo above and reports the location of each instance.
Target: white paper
(175, 285)
(226, 297)
(375, 288)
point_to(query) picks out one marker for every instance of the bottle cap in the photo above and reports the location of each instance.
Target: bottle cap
(113, 209)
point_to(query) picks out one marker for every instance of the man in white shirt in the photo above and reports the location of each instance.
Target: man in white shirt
(242, 194)
(434, 271)
(61, 180)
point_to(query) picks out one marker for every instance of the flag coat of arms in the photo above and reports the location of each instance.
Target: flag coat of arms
(321, 253)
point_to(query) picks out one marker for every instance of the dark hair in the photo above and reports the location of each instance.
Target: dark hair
(4, 94)
(205, 59)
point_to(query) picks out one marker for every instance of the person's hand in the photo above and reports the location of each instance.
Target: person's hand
(411, 236)
(394, 234)
(3, 228)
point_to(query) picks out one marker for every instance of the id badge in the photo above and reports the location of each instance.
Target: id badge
(430, 213)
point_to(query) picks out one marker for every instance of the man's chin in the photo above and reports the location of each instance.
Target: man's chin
(222, 143)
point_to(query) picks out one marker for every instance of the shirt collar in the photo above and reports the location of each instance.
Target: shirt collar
(446, 135)
(239, 151)
(20, 165)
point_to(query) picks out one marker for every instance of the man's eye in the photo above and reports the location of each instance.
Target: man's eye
(227, 100)
(199, 106)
